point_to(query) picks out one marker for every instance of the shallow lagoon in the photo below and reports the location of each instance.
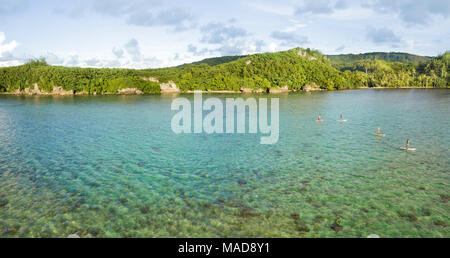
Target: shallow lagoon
(110, 166)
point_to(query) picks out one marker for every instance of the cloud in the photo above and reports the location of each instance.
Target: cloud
(409, 11)
(112, 7)
(93, 62)
(10, 62)
(295, 26)
(132, 48)
(270, 7)
(7, 56)
(146, 13)
(217, 33)
(8, 59)
(342, 4)
(226, 40)
(258, 45)
(77, 9)
(177, 18)
(129, 56)
(320, 7)
(239, 47)
(116, 8)
(120, 7)
(176, 57)
(339, 49)
(197, 52)
(174, 17)
(289, 38)
(412, 12)
(6, 48)
(113, 64)
(118, 52)
(383, 36)
(236, 48)
(10, 7)
(53, 59)
(73, 60)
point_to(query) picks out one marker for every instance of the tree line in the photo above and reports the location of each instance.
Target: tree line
(296, 69)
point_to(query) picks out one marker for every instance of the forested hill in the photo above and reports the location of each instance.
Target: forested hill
(295, 69)
(344, 58)
(215, 60)
(300, 68)
(385, 56)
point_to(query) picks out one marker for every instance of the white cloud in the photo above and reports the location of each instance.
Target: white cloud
(53, 59)
(225, 40)
(290, 39)
(412, 12)
(74, 60)
(296, 25)
(353, 14)
(118, 52)
(10, 7)
(339, 49)
(93, 62)
(315, 7)
(6, 47)
(217, 33)
(410, 44)
(268, 7)
(132, 48)
(383, 36)
(273, 47)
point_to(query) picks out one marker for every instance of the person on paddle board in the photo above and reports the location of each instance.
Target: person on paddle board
(319, 119)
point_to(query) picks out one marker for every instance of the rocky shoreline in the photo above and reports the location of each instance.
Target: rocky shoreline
(171, 88)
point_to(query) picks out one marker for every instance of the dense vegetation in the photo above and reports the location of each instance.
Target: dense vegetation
(88, 80)
(381, 73)
(296, 69)
(260, 71)
(216, 60)
(389, 57)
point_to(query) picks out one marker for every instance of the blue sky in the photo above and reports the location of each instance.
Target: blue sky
(159, 33)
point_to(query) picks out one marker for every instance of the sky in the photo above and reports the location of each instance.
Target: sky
(161, 33)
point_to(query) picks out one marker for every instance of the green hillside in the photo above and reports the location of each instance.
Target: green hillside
(344, 58)
(386, 56)
(299, 68)
(295, 69)
(216, 60)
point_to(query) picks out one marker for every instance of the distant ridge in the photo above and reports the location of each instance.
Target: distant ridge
(385, 56)
(216, 60)
(343, 58)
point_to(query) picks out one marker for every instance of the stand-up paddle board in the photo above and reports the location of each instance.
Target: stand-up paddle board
(379, 134)
(409, 149)
(343, 121)
(320, 121)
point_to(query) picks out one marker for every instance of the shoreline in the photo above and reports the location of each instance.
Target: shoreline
(273, 91)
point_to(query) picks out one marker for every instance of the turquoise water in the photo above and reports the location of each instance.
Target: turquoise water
(110, 166)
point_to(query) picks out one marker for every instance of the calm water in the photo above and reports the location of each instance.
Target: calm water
(110, 166)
